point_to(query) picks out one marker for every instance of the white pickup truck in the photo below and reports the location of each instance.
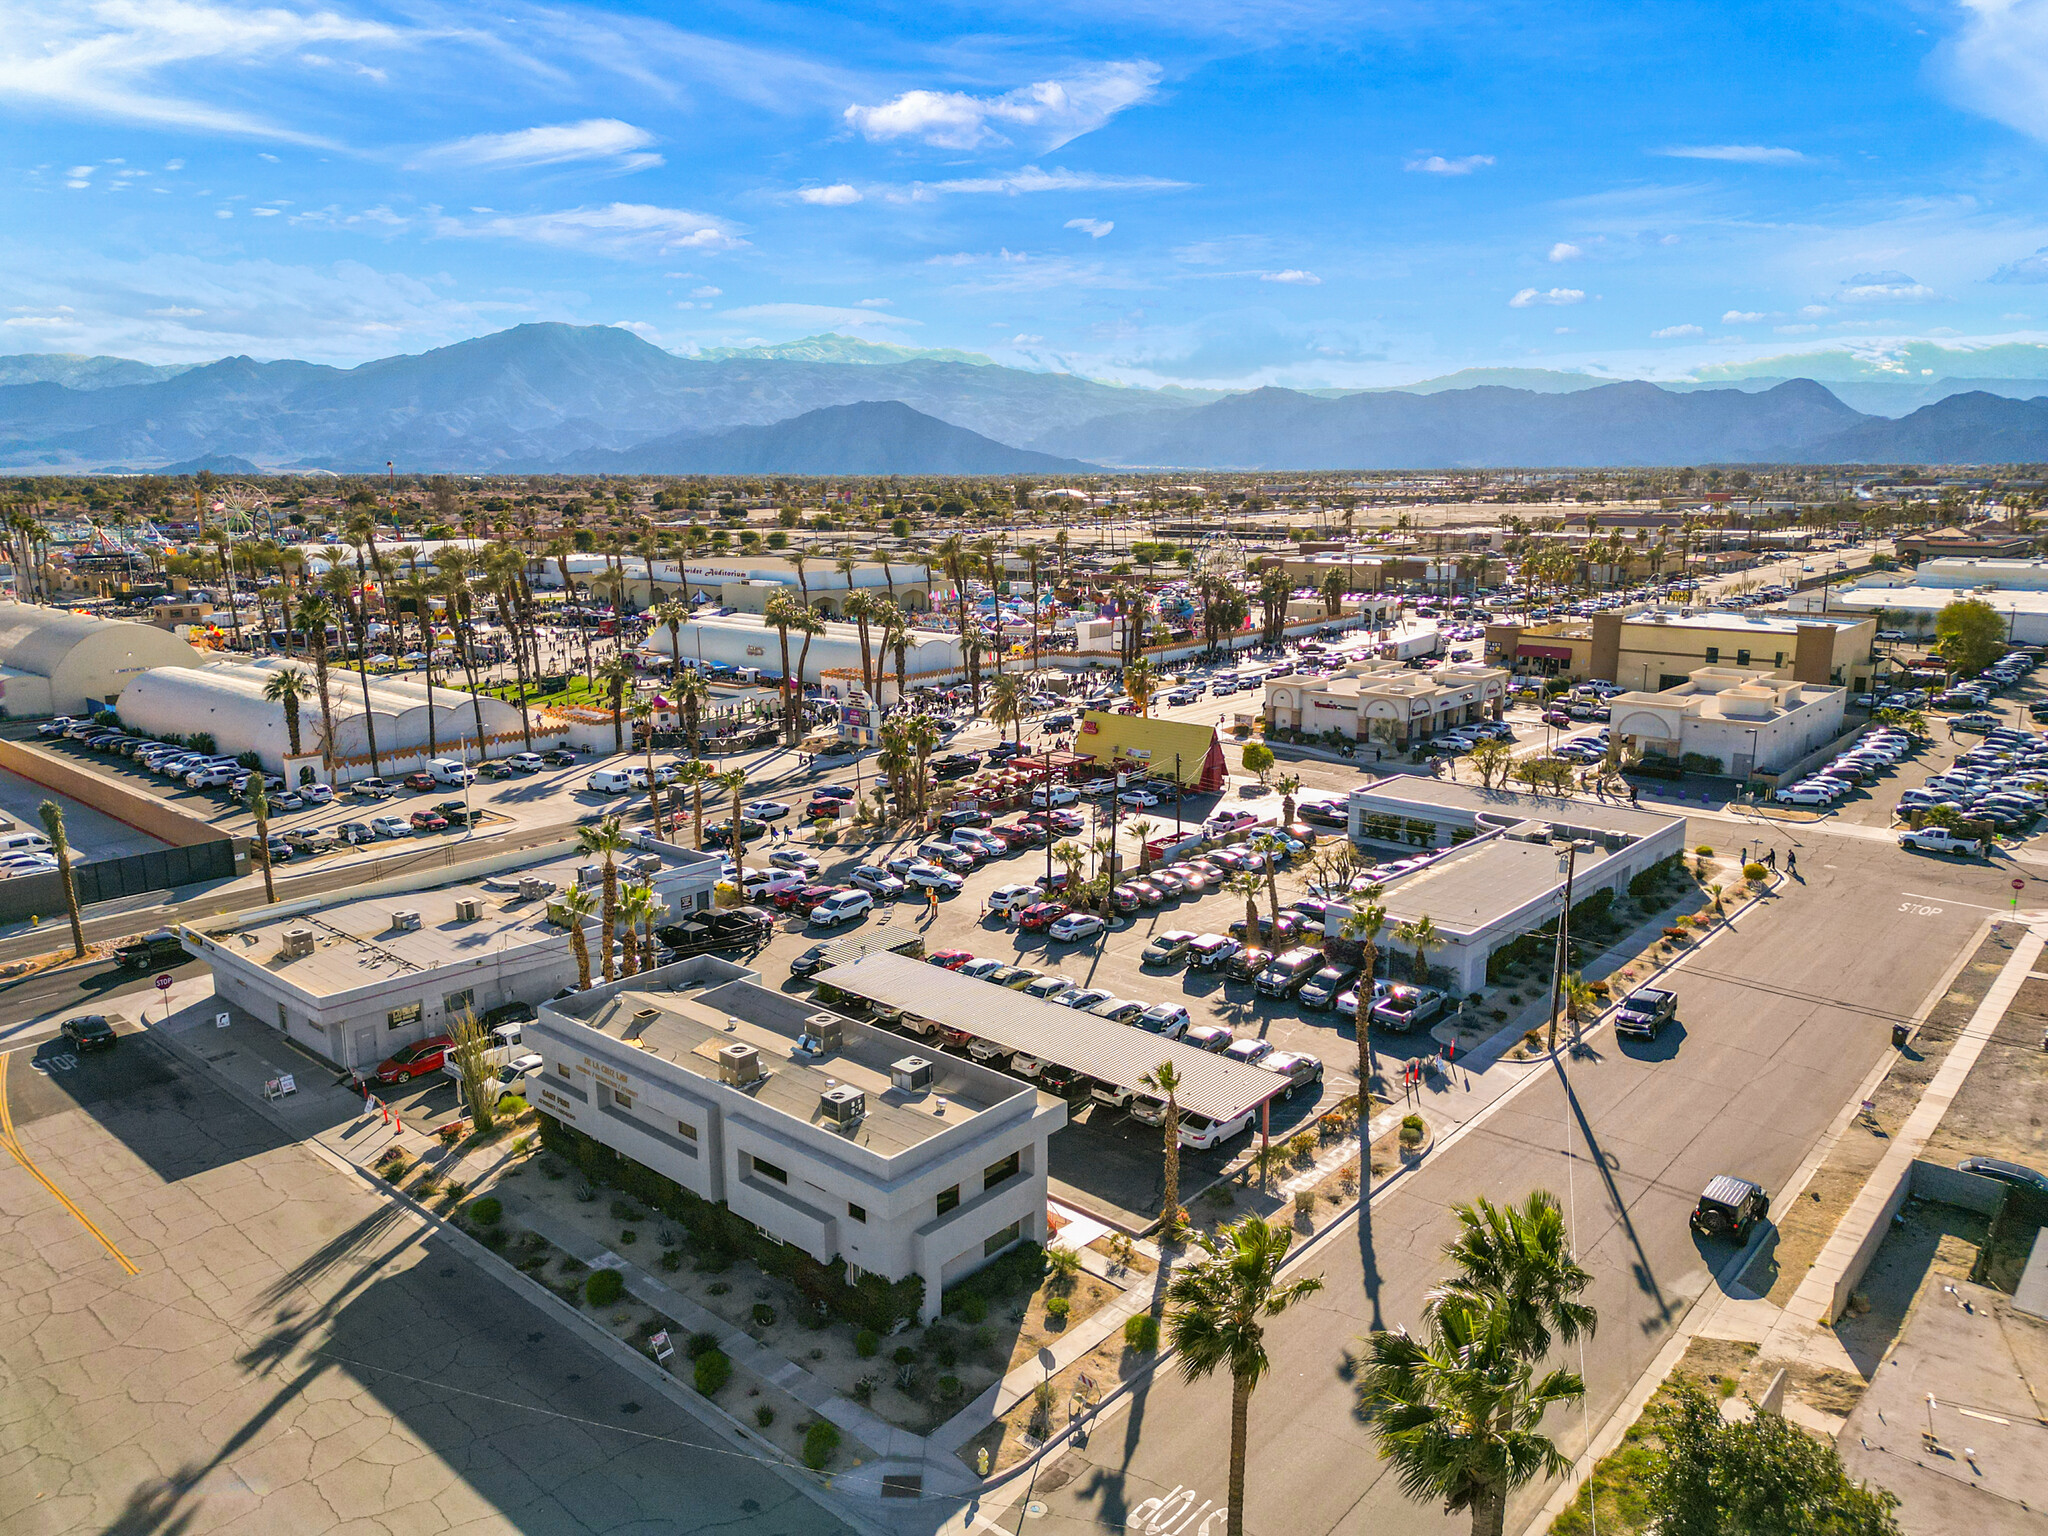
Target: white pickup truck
(1941, 840)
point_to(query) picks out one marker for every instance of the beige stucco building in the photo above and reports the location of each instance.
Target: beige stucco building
(1386, 702)
(1661, 648)
(1746, 721)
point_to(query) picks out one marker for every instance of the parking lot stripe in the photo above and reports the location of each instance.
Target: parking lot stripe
(13, 1145)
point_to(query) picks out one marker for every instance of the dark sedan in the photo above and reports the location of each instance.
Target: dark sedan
(90, 1032)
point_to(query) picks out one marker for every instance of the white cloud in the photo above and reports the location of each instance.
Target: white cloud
(1885, 288)
(838, 195)
(1563, 251)
(1671, 331)
(1049, 112)
(1740, 154)
(1813, 309)
(1532, 296)
(1021, 339)
(174, 165)
(265, 213)
(1563, 330)
(1741, 317)
(617, 229)
(1094, 228)
(1795, 330)
(223, 213)
(876, 303)
(1997, 64)
(175, 312)
(1291, 275)
(2028, 269)
(1030, 179)
(813, 315)
(595, 138)
(266, 155)
(1438, 165)
(706, 292)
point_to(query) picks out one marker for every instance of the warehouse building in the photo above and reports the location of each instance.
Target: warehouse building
(1498, 869)
(357, 980)
(747, 640)
(56, 662)
(743, 582)
(839, 1138)
(1910, 601)
(226, 702)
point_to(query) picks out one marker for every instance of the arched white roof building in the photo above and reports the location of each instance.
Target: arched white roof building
(226, 702)
(53, 660)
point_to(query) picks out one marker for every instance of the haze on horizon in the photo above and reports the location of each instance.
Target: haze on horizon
(1205, 194)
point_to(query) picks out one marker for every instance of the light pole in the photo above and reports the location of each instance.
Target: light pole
(1566, 858)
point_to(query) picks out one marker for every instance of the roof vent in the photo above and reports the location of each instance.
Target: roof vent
(913, 1074)
(645, 1014)
(648, 864)
(843, 1106)
(739, 1066)
(468, 910)
(405, 922)
(298, 943)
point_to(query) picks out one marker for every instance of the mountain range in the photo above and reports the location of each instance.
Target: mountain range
(598, 399)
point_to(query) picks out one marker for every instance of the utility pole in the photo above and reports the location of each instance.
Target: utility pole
(1566, 858)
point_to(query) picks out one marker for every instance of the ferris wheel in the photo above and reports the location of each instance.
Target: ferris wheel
(1221, 555)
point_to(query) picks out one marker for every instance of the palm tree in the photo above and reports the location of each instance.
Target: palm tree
(1165, 1080)
(1070, 856)
(734, 782)
(1580, 1003)
(1459, 1410)
(1517, 1260)
(783, 614)
(1287, 784)
(1249, 885)
(572, 910)
(1006, 704)
(1423, 936)
(1270, 849)
(604, 841)
(259, 807)
(1364, 924)
(60, 845)
(671, 614)
(693, 697)
(1141, 682)
(617, 674)
(287, 686)
(1215, 1316)
(1140, 831)
(693, 776)
(314, 615)
(642, 711)
(636, 906)
(806, 623)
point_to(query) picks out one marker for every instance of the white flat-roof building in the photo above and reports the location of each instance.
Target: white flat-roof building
(742, 581)
(1912, 600)
(1744, 721)
(747, 640)
(55, 661)
(843, 1139)
(1387, 702)
(355, 980)
(1501, 873)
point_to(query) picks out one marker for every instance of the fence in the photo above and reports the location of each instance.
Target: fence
(165, 869)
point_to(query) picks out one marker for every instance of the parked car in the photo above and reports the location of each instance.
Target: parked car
(1012, 898)
(1169, 947)
(1211, 951)
(1247, 963)
(1286, 974)
(1167, 1020)
(420, 780)
(876, 882)
(1041, 915)
(1942, 840)
(1198, 1132)
(1320, 991)
(152, 951)
(1404, 1009)
(390, 826)
(841, 907)
(1299, 1068)
(1049, 989)
(456, 814)
(1730, 1207)
(1214, 1038)
(1118, 1010)
(929, 877)
(526, 762)
(429, 821)
(796, 859)
(1249, 1051)
(416, 1060)
(1076, 926)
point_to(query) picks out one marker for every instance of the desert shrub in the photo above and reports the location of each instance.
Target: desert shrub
(1057, 1308)
(603, 1287)
(487, 1212)
(712, 1372)
(699, 1344)
(1753, 871)
(672, 1259)
(867, 1343)
(905, 1355)
(1705, 850)
(821, 1439)
(1412, 1130)
(1141, 1332)
(764, 1415)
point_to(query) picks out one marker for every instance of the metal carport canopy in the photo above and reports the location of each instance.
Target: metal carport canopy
(1109, 1053)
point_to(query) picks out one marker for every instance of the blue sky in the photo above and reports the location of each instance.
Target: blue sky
(1192, 192)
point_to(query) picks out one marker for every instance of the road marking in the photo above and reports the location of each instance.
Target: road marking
(13, 1145)
(1974, 906)
(1918, 909)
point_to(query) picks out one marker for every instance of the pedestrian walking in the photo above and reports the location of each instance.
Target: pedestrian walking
(1771, 859)
(931, 900)
(1791, 861)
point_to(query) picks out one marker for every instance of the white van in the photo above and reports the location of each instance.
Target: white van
(24, 842)
(448, 770)
(613, 781)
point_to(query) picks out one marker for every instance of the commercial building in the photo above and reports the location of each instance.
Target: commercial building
(742, 582)
(1501, 872)
(56, 662)
(1740, 722)
(355, 980)
(1986, 541)
(1385, 702)
(840, 1138)
(1659, 648)
(226, 702)
(1174, 750)
(747, 640)
(1911, 600)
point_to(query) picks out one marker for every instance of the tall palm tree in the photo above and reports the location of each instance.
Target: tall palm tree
(1368, 917)
(287, 686)
(1141, 683)
(693, 697)
(642, 711)
(806, 623)
(1215, 1317)
(693, 776)
(1270, 849)
(356, 617)
(1249, 885)
(671, 614)
(315, 613)
(1165, 1080)
(60, 846)
(1287, 784)
(1140, 832)
(604, 841)
(1517, 1260)
(572, 910)
(617, 675)
(734, 783)
(1423, 937)
(784, 613)
(1459, 1410)
(860, 607)
(259, 807)
(636, 906)
(1070, 856)
(1006, 704)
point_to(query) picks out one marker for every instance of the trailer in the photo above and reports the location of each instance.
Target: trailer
(704, 933)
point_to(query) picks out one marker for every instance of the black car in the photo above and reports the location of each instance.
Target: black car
(964, 817)
(560, 757)
(90, 1032)
(456, 814)
(1320, 990)
(954, 765)
(1645, 1011)
(1247, 963)
(151, 951)
(1730, 1207)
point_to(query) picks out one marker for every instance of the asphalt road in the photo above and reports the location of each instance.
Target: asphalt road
(1780, 1020)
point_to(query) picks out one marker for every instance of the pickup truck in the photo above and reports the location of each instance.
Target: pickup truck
(151, 951)
(1942, 840)
(1645, 1011)
(703, 933)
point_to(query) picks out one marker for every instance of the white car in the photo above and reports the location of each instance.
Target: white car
(1048, 796)
(980, 967)
(1807, 794)
(843, 908)
(1050, 989)
(526, 762)
(390, 826)
(1142, 798)
(1075, 926)
(316, 794)
(929, 877)
(1012, 898)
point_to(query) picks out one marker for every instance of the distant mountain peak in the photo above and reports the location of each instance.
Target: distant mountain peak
(834, 348)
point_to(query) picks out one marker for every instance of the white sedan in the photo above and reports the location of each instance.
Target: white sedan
(1143, 798)
(1075, 926)
(390, 826)
(1048, 796)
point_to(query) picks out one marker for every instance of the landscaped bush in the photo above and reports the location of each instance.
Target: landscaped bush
(487, 1212)
(1753, 871)
(821, 1439)
(604, 1287)
(713, 1371)
(867, 1343)
(764, 1315)
(1057, 1308)
(1141, 1332)
(764, 1415)
(700, 1344)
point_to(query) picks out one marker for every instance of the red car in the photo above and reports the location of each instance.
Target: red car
(950, 959)
(828, 809)
(1038, 918)
(809, 896)
(429, 821)
(1026, 834)
(415, 1060)
(420, 780)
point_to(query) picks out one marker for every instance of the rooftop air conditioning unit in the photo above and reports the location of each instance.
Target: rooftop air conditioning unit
(405, 922)
(468, 910)
(739, 1066)
(648, 864)
(533, 888)
(913, 1074)
(828, 1029)
(843, 1106)
(590, 874)
(298, 943)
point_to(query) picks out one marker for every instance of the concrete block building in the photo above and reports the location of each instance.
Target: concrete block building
(1660, 648)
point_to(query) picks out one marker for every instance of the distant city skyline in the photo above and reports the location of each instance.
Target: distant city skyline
(1312, 195)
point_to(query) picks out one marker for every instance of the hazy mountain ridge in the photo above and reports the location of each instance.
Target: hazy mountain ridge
(74, 370)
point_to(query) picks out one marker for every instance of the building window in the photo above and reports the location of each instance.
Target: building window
(562, 1068)
(1742, 658)
(770, 1171)
(686, 1130)
(455, 1004)
(949, 1199)
(1780, 661)
(997, 1241)
(403, 1018)
(857, 1212)
(995, 1173)
(622, 1098)
(1713, 654)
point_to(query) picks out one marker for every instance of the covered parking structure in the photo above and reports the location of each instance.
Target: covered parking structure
(1115, 1055)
